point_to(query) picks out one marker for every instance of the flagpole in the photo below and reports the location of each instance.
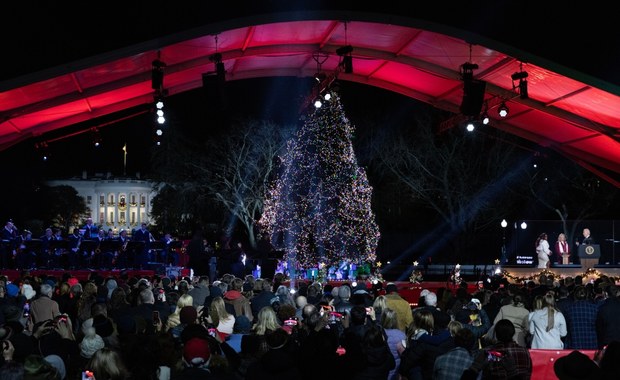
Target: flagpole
(125, 160)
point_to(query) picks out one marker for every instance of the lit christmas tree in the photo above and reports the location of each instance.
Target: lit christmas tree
(319, 209)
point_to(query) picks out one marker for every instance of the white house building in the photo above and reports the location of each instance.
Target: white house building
(116, 203)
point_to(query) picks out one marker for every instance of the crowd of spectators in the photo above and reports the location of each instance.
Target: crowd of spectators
(162, 328)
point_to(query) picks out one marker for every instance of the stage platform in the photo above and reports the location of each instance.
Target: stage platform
(81, 275)
(570, 270)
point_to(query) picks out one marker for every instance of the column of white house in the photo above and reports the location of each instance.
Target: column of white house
(117, 211)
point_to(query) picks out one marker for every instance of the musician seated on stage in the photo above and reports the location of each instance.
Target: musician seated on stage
(73, 251)
(121, 257)
(25, 255)
(45, 254)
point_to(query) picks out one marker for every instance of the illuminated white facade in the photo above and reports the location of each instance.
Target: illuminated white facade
(116, 203)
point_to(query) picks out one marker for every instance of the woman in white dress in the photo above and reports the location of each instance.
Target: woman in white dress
(543, 251)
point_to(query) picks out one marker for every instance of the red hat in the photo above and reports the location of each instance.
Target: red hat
(196, 351)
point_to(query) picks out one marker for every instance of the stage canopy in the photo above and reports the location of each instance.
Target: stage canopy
(571, 112)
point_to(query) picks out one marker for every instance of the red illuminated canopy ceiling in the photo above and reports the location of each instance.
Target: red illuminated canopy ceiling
(570, 112)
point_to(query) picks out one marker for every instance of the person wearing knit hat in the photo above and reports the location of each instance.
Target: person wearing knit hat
(91, 343)
(87, 324)
(111, 284)
(57, 362)
(196, 352)
(12, 290)
(28, 291)
(73, 281)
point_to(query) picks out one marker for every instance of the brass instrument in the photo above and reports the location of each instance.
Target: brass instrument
(124, 247)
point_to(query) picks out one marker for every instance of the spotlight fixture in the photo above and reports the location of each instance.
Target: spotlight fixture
(159, 132)
(157, 75)
(159, 106)
(320, 77)
(473, 91)
(503, 110)
(43, 148)
(342, 51)
(485, 118)
(470, 126)
(220, 69)
(318, 103)
(96, 138)
(347, 59)
(522, 85)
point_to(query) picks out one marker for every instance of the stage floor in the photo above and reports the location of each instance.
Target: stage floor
(570, 270)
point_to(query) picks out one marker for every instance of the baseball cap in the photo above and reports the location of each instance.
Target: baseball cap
(196, 351)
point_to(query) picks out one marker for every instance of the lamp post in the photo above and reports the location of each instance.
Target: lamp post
(504, 224)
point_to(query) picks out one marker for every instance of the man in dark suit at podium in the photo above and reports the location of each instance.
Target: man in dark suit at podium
(587, 238)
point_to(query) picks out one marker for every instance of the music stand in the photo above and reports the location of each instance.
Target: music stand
(157, 245)
(33, 245)
(109, 245)
(134, 246)
(58, 244)
(88, 245)
(6, 244)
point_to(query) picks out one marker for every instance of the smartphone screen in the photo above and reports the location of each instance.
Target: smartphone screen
(87, 375)
(156, 317)
(26, 310)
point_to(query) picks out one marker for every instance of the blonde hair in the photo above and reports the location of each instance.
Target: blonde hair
(389, 319)
(549, 303)
(184, 300)
(267, 321)
(454, 327)
(217, 311)
(107, 364)
(537, 304)
(380, 302)
(90, 288)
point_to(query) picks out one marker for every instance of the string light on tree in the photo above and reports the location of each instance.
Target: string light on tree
(319, 207)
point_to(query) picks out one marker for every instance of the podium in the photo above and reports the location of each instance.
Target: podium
(589, 255)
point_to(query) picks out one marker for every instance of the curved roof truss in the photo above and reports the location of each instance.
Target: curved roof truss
(567, 111)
